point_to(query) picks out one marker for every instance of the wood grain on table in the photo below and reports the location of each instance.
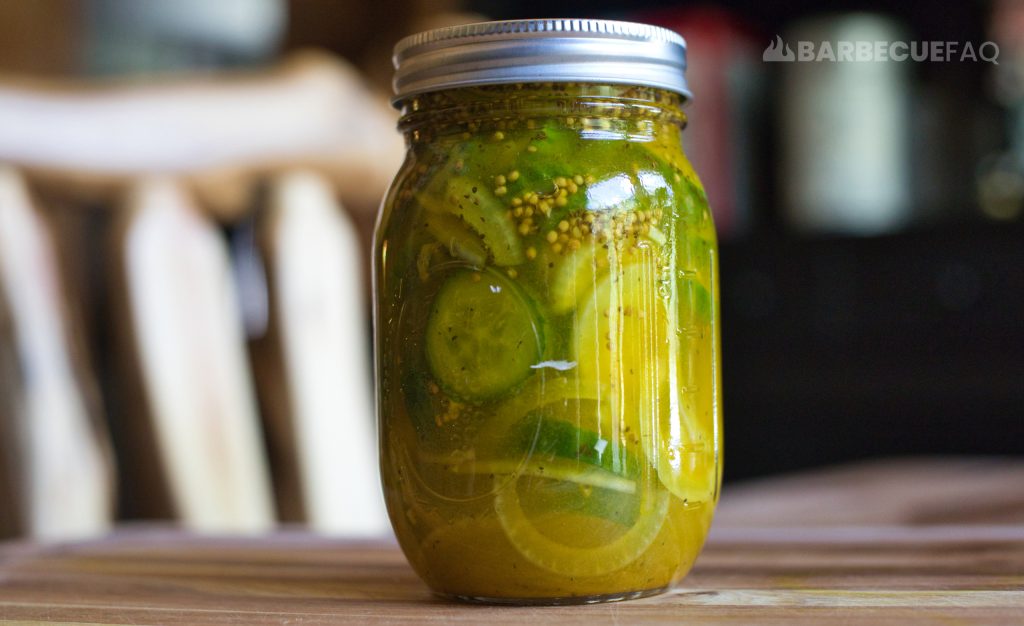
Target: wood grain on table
(873, 572)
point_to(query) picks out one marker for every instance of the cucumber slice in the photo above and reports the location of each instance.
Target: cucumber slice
(667, 152)
(574, 276)
(574, 507)
(481, 211)
(580, 545)
(697, 301)
(692, 476)
(590, 495)
(552, 439)
(628, 345)
(482, 336)
(488, 216)
(552, 469)
(582, 271)
(456, 236)
(655, 235)
(622, 340)
(425, 258)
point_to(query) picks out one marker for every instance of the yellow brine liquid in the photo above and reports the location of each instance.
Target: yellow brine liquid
(548, 345)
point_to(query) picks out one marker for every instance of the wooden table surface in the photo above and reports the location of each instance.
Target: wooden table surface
(765, 573)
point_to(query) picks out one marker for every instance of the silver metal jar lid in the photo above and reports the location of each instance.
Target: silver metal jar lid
(552, 50)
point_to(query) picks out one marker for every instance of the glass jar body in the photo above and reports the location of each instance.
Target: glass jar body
(547, 344)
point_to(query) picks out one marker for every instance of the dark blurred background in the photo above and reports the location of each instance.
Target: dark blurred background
(871, 215)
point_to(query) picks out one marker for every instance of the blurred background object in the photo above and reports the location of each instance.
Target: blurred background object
(154, 144)
(317, 309)
(182, 312)
(220, 133)
(1001, 173)
(187, 192)
(57, 468)
(845, 140)
(124, 36)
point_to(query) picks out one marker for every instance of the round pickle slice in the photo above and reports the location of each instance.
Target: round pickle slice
(482, 335)
(572, 544)
(622, 342)
(628, 346)
(578, 505)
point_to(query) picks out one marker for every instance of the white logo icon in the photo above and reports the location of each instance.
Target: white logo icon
(778, 51)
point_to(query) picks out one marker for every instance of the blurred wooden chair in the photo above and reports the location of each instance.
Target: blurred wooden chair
(316, 321)
(56, 477)
(182, 311)
(195, 408)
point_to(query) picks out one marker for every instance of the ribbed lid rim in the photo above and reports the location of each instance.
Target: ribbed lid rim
(621, 30)
(549, 50)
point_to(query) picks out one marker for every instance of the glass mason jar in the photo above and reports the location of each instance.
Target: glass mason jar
(546, 315)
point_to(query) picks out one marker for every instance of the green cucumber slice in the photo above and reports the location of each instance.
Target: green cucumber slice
(482, 336)
(697, 300)
(557, 469)
(554, 439)
(482, 211)
(574, 276)
(612, 546)
(456, 236)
